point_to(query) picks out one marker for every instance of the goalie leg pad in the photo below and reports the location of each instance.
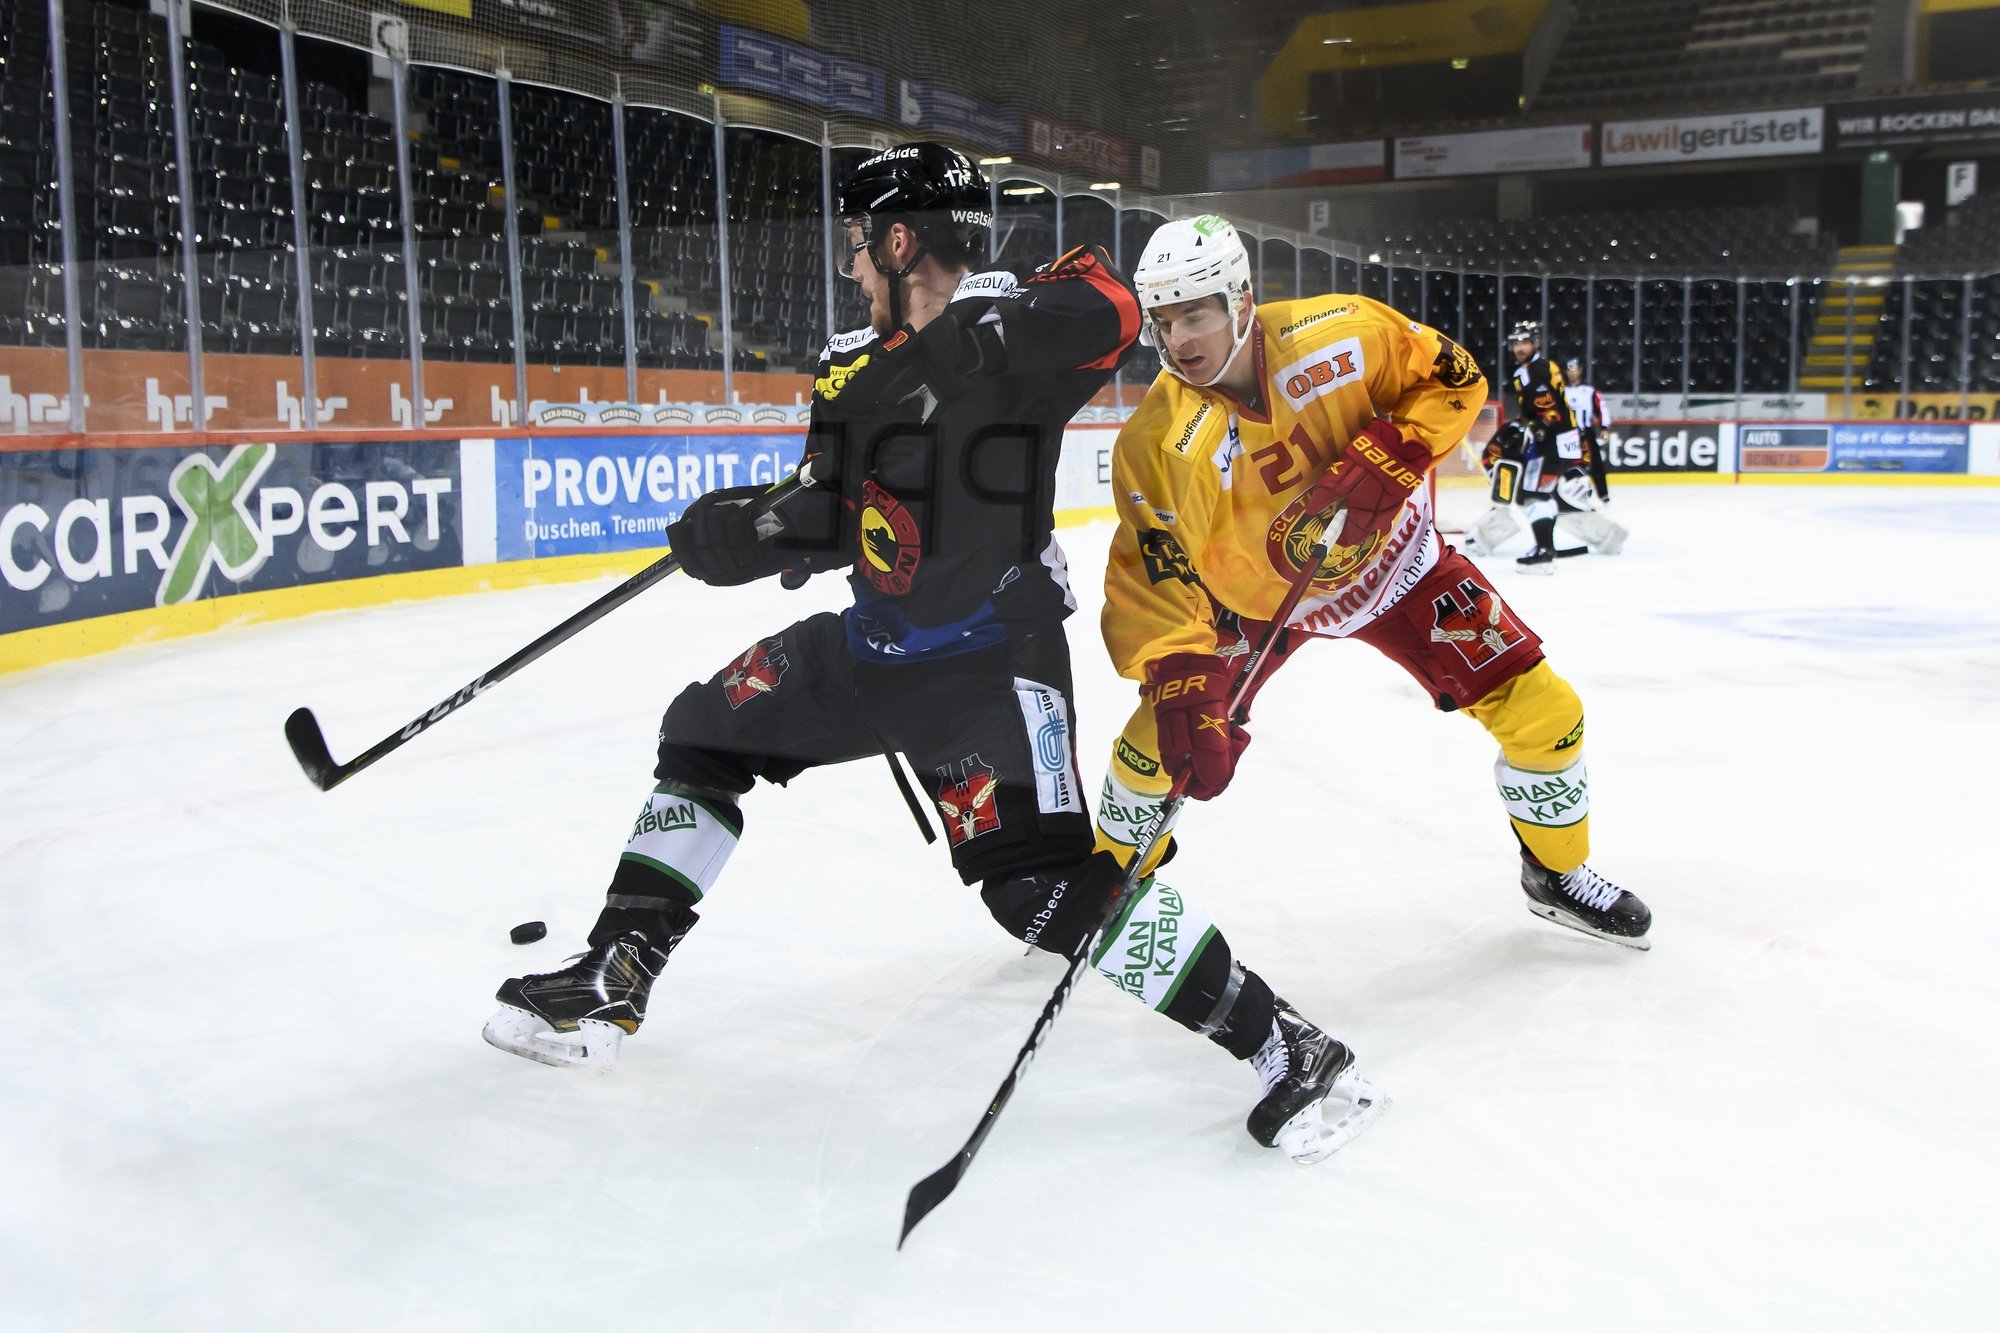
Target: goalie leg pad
(1601, 533)
(1575, 492)
(1495, 528)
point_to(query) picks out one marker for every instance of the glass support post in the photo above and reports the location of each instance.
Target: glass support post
(177, 66)
(627, 287)
(399, 78)
(1741, 302)
(722, 272)
(295, 154)
(511, 228)
(1965, 348)
(1903, 386)
(72, 283)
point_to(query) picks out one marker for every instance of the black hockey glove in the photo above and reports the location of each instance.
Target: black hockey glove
(718, 542)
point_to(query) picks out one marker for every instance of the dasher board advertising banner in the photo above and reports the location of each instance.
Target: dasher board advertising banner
(1845, 446)
(582, 494)
(92, 532)
(1785, 133)
(1540, 148)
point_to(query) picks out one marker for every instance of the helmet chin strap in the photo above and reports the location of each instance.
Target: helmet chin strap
(895, 277)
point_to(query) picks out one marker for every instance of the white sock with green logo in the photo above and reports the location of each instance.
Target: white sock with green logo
(684, 837)
(1151, 948)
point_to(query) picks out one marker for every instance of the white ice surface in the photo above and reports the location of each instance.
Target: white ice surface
(244, 1086)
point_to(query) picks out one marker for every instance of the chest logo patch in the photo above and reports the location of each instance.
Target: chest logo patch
(889, 542)
(1321, 372)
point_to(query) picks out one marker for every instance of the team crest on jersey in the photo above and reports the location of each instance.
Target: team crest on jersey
(1456, 367)
(968, 794)
(889, 544)
(1289, 541)
(755, 673)
(1476, 623)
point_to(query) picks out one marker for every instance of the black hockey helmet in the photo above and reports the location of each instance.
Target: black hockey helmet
(936, 191)
(1527, 331)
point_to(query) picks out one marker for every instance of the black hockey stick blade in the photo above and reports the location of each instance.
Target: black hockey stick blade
(936, 1187)
(1564, 552)
(309, 748)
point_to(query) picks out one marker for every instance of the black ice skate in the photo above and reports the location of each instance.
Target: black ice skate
(580, 1014)
(1302, 1070)
(1584, 900)
(1539, 560)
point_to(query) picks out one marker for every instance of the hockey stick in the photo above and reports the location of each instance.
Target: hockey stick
(936, 1187)
(308, 743)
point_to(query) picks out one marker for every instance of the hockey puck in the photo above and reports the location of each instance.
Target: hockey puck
(527, 932)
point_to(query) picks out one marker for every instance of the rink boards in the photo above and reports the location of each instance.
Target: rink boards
(113, 541)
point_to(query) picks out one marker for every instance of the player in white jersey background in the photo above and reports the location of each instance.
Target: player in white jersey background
(1586, 404)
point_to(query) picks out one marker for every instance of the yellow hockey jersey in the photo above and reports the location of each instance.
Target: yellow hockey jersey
(1210, 491)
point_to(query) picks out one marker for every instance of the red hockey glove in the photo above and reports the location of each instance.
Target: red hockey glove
(1375, 476)
(1198, 742)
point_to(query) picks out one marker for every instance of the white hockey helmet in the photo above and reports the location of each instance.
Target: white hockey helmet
(1185, 260)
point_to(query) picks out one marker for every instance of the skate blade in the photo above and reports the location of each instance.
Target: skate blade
(1310, 1137)
(1643, 943)
(594, 1044)
(1544, 570)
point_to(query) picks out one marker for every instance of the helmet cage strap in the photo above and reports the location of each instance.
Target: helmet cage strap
(894, 275)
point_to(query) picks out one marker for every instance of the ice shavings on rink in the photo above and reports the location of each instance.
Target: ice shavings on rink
(247, 1089)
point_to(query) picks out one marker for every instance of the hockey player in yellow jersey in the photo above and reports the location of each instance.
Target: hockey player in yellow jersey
(1269, 426)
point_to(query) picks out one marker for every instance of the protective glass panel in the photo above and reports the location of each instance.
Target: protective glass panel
(670, 170)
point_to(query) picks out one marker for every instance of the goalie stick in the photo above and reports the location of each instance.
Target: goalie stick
(936, 1187)
(308, 742)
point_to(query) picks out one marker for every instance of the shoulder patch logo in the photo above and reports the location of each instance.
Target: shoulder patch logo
(829, 385)
(1165, 559)
(1456, 367)
(1186, 440)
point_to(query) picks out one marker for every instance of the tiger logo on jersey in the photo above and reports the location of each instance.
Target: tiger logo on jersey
(1476, 623)
(1292, 535)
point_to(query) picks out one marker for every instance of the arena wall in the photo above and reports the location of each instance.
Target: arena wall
(121, 540)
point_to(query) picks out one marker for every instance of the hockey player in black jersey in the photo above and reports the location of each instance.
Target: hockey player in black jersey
(1550, 458)
(930, 467)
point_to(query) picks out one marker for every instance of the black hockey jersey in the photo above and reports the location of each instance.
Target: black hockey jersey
(942, 448)
(1537, 390)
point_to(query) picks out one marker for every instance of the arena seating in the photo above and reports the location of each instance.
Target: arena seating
(1659, 275)
(1930, 292)
(1620, 55)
